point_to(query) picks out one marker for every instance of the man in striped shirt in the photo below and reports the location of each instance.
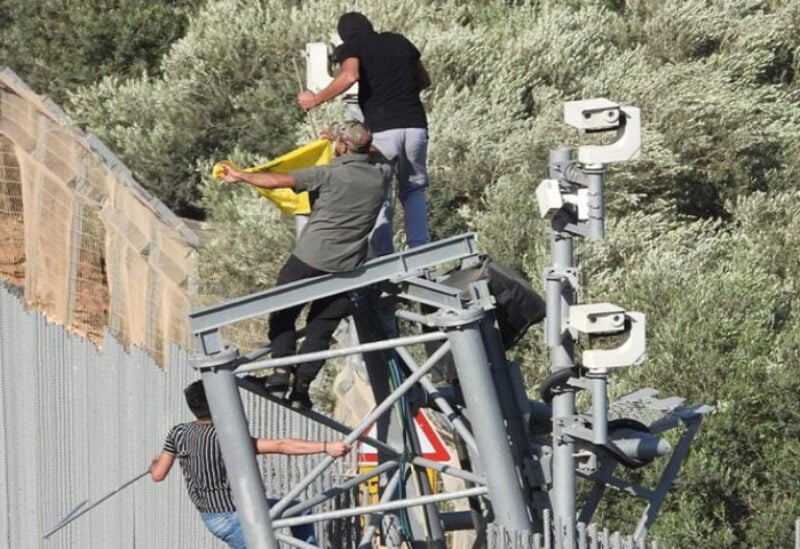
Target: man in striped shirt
(197, 449)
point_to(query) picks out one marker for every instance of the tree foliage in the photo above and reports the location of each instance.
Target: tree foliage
(721, 301)
(59, 45)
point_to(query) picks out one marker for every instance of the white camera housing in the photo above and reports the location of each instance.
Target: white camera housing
(607, 319)
(551, 198)
(318, 66)
(548, 196)
(600, 114)
(592, 114)
(597, 318)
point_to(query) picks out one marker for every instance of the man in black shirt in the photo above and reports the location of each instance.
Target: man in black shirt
(196, 446)
(390, 76)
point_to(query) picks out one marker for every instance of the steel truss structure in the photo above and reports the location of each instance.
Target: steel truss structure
(521, 458)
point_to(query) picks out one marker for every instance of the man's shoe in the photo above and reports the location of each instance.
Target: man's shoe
(298, 398)
(277, 384)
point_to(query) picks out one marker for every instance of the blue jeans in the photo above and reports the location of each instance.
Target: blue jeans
(407, 150)
(226, 527)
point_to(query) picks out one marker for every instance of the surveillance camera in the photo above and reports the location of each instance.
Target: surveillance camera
(548, 196)
(597, 318)
(592, 114)
(599, 115)
(317, 68)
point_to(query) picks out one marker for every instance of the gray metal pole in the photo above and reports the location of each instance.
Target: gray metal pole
(237, 448)
(338, 489)
(507, 398)
(334, 353)
(597, 210)
(469, 355)
(560, 295)
(380, 507)
(593, 175)
(599, 405)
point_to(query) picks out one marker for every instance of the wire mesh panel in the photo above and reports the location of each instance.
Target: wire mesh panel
(80, 238)
(12, 239)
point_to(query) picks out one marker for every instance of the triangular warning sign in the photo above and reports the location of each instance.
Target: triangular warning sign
(431, 444)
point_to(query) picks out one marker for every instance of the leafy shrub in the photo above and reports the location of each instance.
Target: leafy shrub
(57, 45)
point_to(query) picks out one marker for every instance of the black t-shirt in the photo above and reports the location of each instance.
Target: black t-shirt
(388, 91)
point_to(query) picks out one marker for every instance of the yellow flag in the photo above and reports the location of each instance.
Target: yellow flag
(315, 153)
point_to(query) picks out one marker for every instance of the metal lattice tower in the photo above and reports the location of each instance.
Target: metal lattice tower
(522, 458)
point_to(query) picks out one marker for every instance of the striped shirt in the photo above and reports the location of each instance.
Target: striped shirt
(197, 449)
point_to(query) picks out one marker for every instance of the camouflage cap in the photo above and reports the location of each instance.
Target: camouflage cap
(354, 133)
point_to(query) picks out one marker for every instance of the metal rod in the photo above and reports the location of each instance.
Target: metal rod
(375, 519)
(472, 363)
(449, 470)
(671, 470)
(560, 296)
(365, 424)
(72, 515)
(412, 316)
(380, 507)
(333, 353)
(597, 211)
(599, 382)
(452, 417)
(595, 495)
(236, 444)
(338, 489)
(620, 485)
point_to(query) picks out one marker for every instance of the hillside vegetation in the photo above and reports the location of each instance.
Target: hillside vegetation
(703, 230)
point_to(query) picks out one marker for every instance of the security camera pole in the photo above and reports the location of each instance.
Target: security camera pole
(572, 198)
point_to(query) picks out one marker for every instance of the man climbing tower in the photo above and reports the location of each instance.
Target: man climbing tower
(390, 76)
(348, 194)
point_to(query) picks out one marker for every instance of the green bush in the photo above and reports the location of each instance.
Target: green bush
(59, 45)
(721, 330)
